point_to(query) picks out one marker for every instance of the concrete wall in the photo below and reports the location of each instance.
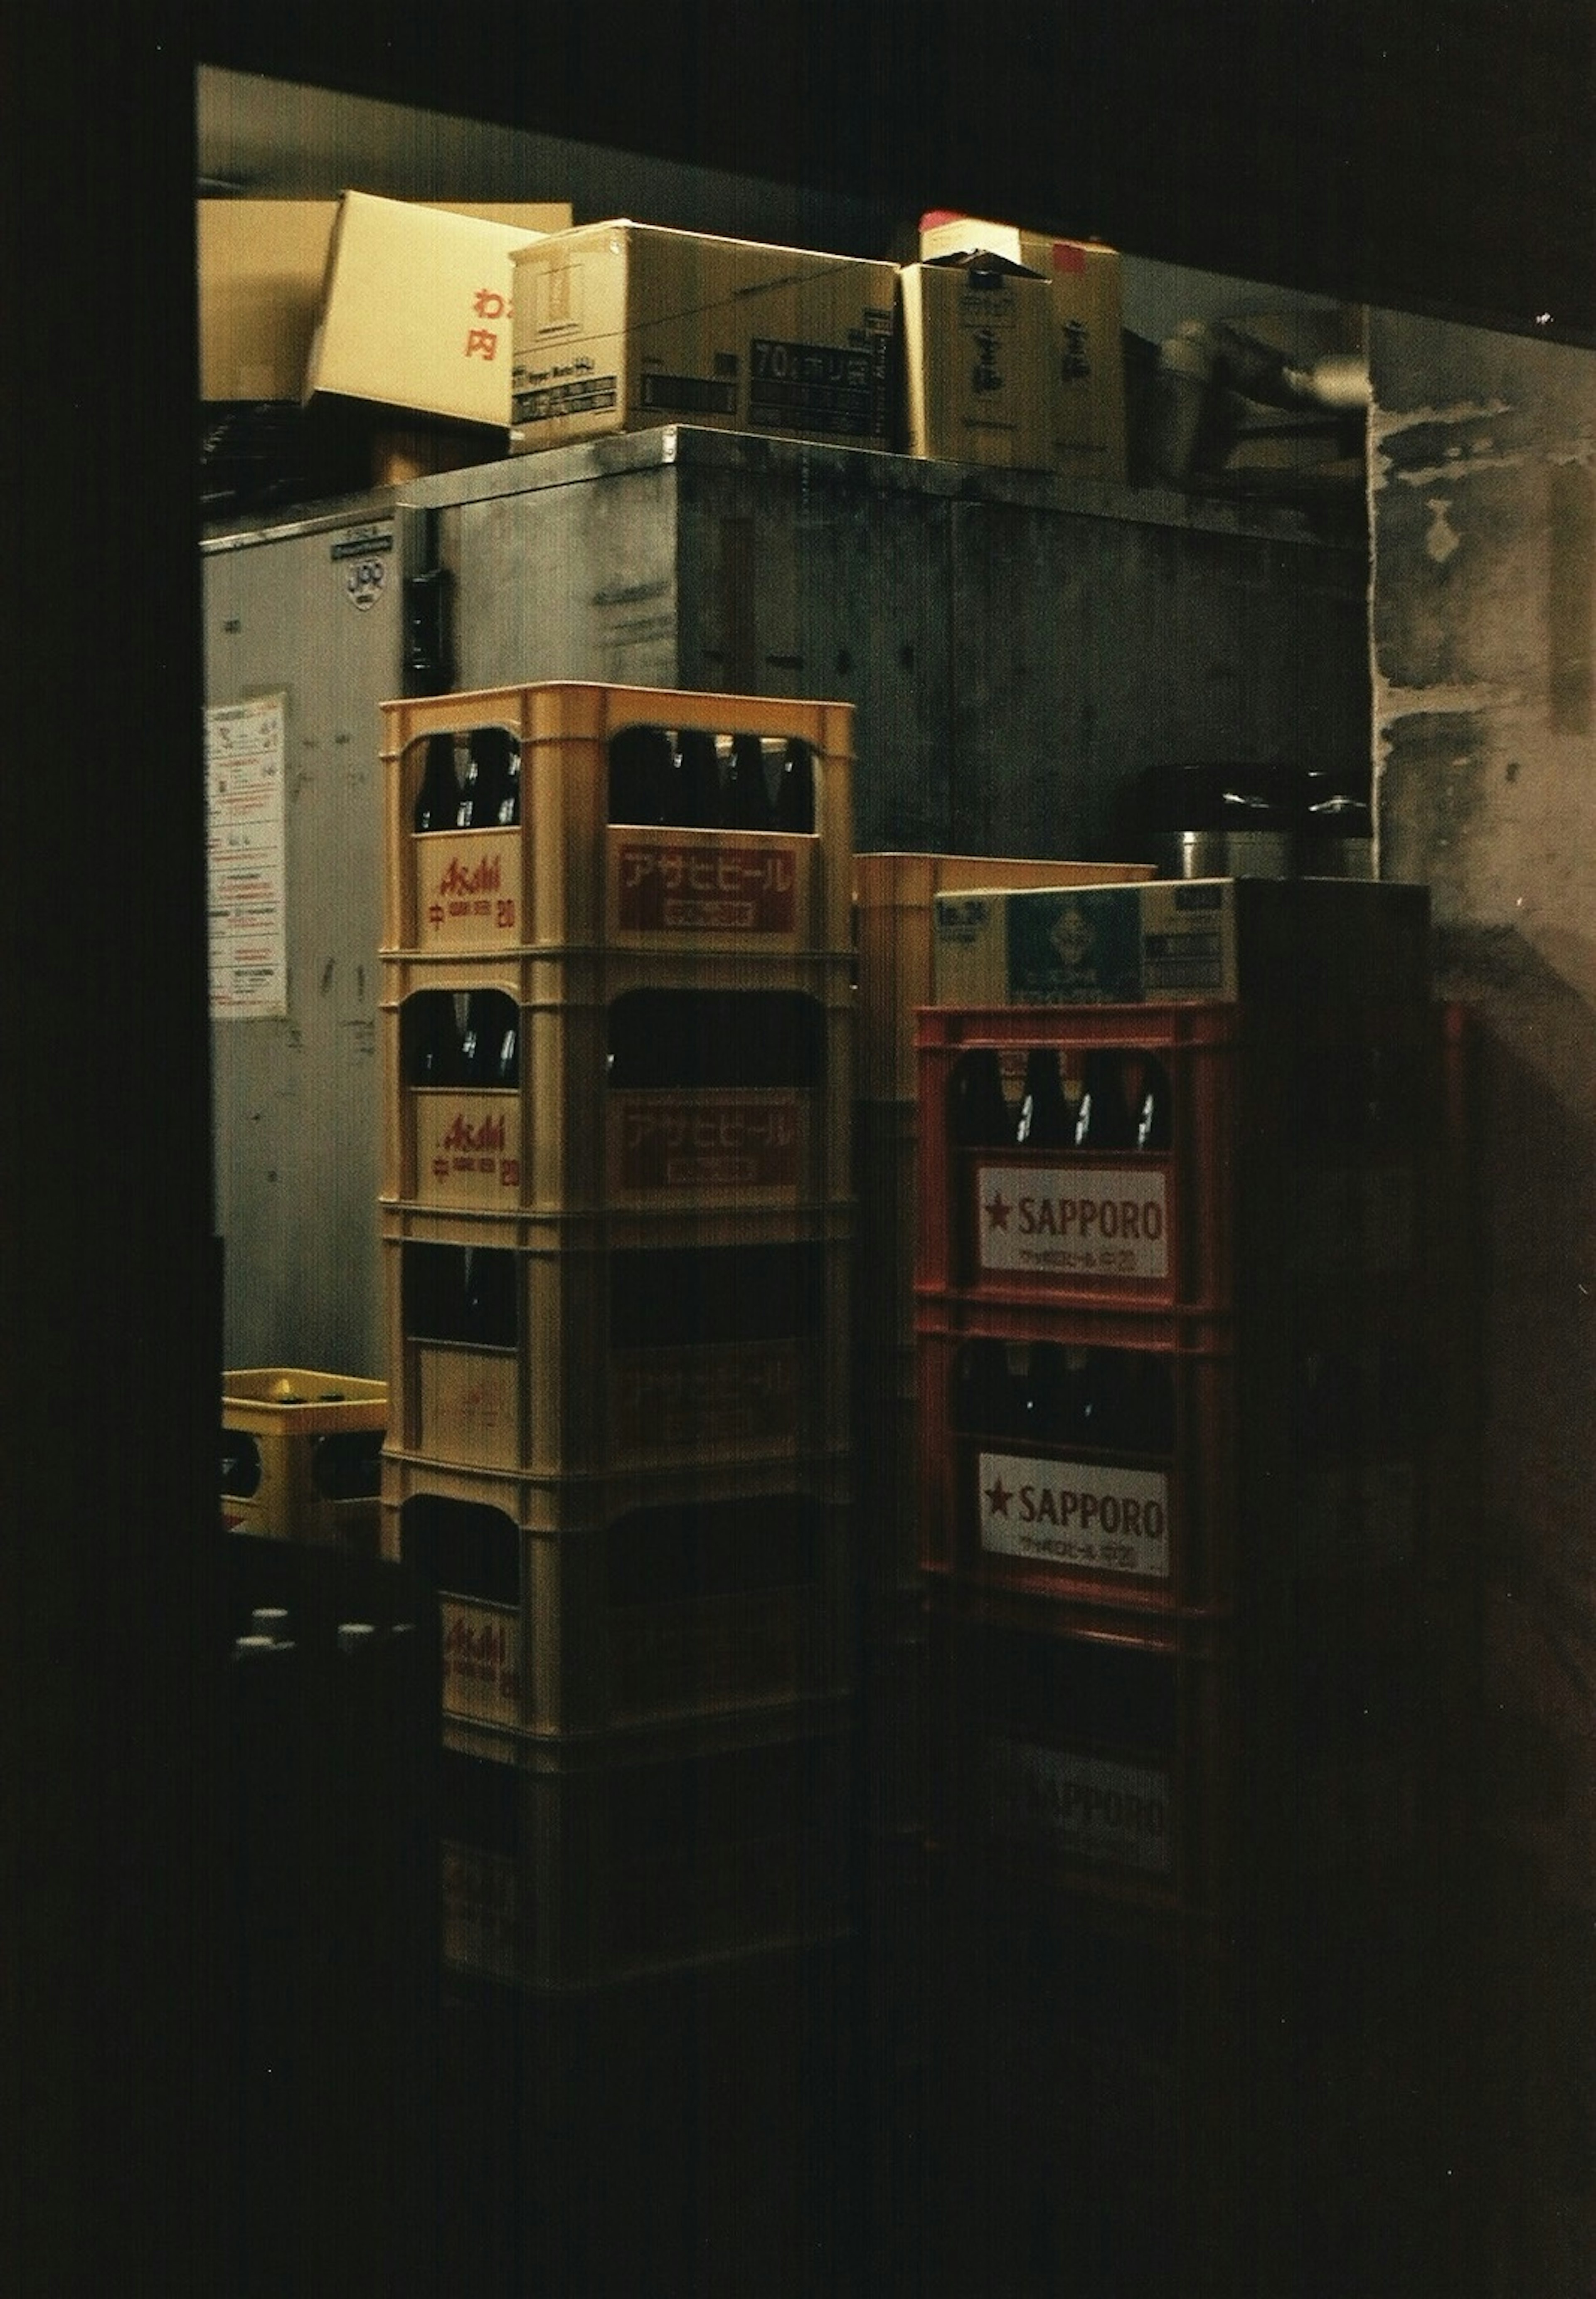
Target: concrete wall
(1484, 611)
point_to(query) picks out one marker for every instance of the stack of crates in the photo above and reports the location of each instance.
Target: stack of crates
(893, 898)
(1179, 1357)
(617, 1233)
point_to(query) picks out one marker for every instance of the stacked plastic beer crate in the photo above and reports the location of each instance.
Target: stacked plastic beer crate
(892, 909)
(616, 1033)
(1176, 1348)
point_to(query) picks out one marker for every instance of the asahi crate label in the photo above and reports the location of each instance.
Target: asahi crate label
(1082, 1514)
(481, 1662)
(1074, 1222)
(1095, 1808)
(708, 1141)
(470, 1149)
(706, 886)
(468, 888)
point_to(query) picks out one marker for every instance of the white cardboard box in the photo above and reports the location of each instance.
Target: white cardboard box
(977, 346)
(1089, 380)
(261, 267)
(415, 308)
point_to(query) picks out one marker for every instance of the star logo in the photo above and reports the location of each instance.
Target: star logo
(998, 1210)
(998, 1497)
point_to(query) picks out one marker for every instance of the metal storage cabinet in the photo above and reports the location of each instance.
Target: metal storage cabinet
(1016, 649)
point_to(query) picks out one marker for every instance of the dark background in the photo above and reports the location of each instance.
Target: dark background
(1430, 157)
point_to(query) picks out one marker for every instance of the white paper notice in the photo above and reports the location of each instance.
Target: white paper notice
(243, 778)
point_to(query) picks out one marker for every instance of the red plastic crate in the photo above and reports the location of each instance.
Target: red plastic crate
(1301, 1151)
(1142, 1510)
(1153, 1230)
(1087, 1758)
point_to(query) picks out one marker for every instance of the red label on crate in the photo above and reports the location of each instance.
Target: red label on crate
(466, 888)
(1089, 1807)
(1073, 1221)
(670, 1400)
(699, 888)
(708, 1141)
(1089, 1515)
(481, 1663)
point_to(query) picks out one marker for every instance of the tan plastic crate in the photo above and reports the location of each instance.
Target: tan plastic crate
(300, 1456)
(567, 877)
(672, 1605)
(566, 1139)
(893, 897)
(571, 1385)
(566, 1866)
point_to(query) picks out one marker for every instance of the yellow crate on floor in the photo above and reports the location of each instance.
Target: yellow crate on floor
(620, 1607)
(894, 908)
(584, 1083)
(566, 874)
(301, 1455)
(578, 1345)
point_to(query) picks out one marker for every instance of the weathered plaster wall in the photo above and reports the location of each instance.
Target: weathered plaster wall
(1483, 622)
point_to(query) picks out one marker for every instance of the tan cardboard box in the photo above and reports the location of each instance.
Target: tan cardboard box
(262, 265)
(1089, 436)
(978, 346)
(415, 308)
(1174, 940)
(625, 326)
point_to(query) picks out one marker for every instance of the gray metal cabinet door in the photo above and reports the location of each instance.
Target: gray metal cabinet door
(298, 1137)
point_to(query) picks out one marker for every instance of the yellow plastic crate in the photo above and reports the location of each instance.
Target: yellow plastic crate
(622, 1607)
(572, 1866)
(566, 877)
(301, 1455)
(617, 1342)
(574, 1134)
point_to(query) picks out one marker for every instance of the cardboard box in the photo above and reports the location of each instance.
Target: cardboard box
(627, 326)
(262, 266)
(1171, 940)
(1089, 378)
(415, 309)
(978, 365)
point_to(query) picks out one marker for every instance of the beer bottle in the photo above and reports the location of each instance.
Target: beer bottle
(1046, 1121)
(1101, 1120)
(438, 797)
(979, 1114)
(984, 1399)
(642, 767)
(510, 780)
(433, 1040)
(1145, 1417)
(1147, 1085)
(747, 798)
(485, 788)
(489, 1316)
(1045, 1400)
(489, 1042)
(794, 807)
(696, 781)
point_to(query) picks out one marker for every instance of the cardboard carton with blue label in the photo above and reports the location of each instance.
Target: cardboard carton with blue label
(1176, 941)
